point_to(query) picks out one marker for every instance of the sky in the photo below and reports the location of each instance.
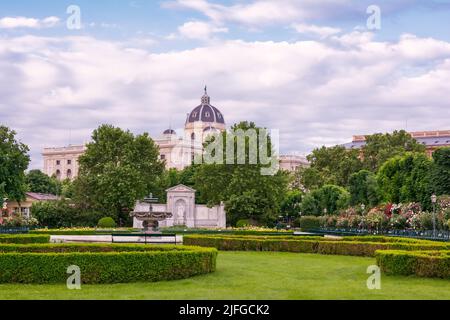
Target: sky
(319, 71)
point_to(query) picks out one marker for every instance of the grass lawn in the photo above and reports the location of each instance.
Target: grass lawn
(257, 275)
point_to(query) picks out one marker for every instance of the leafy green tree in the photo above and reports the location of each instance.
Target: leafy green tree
(117, 169)
(330, 166)
(328, 199)
(291, 205)
(14, 160)
(363, 188)
(440, 175)
(381, 147)
(247, 193)
(39, 182)
(406, 178)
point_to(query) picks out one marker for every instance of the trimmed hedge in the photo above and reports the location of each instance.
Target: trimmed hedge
(349, 246)
(100, 263)
(432, 264)
(24, 238)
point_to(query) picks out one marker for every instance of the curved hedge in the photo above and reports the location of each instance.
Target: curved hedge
(100, 263)
(353, 246)
(24, 238)
(433, 264)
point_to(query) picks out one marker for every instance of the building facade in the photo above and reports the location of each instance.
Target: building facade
(432, 140)
(177, 149)
(24, 207)
(185, 212)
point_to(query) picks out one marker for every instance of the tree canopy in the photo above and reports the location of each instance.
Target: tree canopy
(117, 169)
(39, 182)
(14, 160)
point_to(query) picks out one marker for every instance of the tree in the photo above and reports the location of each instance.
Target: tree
(440, 174)
(330, 166)
(14, 160)
(291, 205)
(39, 182)
(406, 179)
(117, 169)
(327, 199)
(363, 188)
(381, 147)
(247, 193)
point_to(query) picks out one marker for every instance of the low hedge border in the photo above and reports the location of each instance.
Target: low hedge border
(48, 263)
(24, 238)
(430, 264)
(349, 246)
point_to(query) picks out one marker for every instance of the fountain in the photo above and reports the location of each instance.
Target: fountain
(150, 219)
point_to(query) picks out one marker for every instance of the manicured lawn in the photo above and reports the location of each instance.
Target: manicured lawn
(256, 275)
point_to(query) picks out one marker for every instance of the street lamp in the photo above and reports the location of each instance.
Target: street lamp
(433, 201)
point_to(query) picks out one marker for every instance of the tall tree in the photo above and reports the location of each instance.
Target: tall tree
(363, 188)
(117, 169)
(440, 176)
(332, 165)
(246, 191)
(14, 160)
(39, 182)
(406, 179)
(381, 147)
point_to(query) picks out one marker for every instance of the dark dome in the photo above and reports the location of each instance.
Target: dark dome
(206, 112)
(169, 131)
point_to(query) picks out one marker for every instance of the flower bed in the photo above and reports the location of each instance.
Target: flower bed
(48, 263)
(433, 264)
(353, 246)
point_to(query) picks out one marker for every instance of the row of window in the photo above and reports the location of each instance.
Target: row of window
(58, 162)
(68, 174)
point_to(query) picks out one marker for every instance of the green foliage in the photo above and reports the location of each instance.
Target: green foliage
(309, 223)
(107, 222)
(406, 179)
(432, 264)
(363, 188)
(103, 263)
(24, 238)
(64, 214)
(327, 199)
(247, 193)
(352, 246)
(39, 182)
(440, 176)
(381, 147)
(117, 169)
(14, 160)
(291, 205)
(243, 223)
(330, 166)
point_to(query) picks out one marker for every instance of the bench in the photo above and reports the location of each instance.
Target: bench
(147, 237)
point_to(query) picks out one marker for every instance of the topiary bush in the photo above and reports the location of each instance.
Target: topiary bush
(433, 264)
(309, 223)
(100, 263)
(24, 238)
(106, 223)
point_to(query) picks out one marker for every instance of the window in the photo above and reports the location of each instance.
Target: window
(58, 162)
(58, 174)
(207, 114)
(163, 157)
(69, 174)
(193, 136)
(69, 162)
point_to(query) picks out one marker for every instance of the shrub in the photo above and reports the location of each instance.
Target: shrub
(101, 263)
(309, 223)
(243, 223)
(19, 221)
(420, 263)
(354, 246)
(106, 223)
(24, 238)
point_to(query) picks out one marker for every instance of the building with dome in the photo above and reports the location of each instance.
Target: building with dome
(177, 149)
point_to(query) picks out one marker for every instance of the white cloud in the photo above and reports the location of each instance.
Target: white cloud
(24, 22)
(322, 32)
(314, 92)
(199, 30)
